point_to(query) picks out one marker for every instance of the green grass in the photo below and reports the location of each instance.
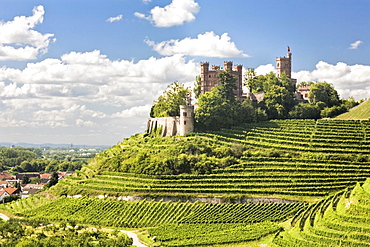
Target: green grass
(360, 112)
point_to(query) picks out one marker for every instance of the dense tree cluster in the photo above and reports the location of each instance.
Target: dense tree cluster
(323, 102)
(14, 233)
(198, 156)
(18, 159)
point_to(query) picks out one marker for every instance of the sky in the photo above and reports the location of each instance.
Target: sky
(87, 72)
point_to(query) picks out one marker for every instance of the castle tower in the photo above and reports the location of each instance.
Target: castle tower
(284, 65)
(204, 69)
(186, 118)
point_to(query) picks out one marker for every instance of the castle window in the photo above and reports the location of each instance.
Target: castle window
(184, 122)
(278, 65)
(209, 76)
(184, 114)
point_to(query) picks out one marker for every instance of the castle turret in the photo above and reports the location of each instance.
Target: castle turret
(186, 118)
(228, 65)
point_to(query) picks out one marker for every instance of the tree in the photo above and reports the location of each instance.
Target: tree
(213, 110)
(197, 87)
(220, 108)
(35, 180)
(305, 111)
(323, 92)
(169, 103)
(305, 83)
(278, 97)
(25, 179)
(54, 179)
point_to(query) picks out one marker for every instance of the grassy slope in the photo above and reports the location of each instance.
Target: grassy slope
(360, 112)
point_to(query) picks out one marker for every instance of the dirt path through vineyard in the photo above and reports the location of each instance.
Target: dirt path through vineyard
(134, 237)
(4, 217)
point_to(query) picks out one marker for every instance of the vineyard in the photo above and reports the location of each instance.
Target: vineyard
(298, 159)
(292, 182)
(339, 220)
(139, 214)
(209, 234)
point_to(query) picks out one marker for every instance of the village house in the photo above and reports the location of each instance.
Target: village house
(4, 184)
(8, 192)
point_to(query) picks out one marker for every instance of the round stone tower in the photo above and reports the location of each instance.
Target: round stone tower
(186, 119)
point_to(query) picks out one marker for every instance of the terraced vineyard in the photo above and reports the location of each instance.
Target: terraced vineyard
(315, 170)
(137, 214)
(304, 158)
(340, 220)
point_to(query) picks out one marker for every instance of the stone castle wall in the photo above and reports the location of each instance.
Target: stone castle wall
(172, 126)
(169, 125)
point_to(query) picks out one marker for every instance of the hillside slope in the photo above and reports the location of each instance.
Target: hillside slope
(290, 159)
(360, 112)
(339, 220)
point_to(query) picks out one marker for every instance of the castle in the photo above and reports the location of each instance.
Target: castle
(172, 126)
(209, 78)
(184, 124)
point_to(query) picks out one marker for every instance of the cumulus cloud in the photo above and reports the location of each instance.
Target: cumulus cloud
(113, 19)
(86, 95)
(348, 80)
(176, 13)
(264, 69)
(355, 45)
(18, 40)
(206, 45)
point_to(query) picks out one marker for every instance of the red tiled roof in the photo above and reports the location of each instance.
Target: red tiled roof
(5, 175)
(11, 191)
(45, 176)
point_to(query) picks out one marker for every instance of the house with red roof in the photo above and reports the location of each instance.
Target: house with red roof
(4, 184)
(8, 192)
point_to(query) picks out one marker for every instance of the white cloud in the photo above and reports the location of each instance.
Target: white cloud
(113, 19)
(355, 45)
(205, 45)
(18, 40)
(176, 13)
(264, 69)
(348, 80)
(85, 97)
(133, 112)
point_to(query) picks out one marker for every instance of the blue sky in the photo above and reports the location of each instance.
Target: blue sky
(87, 72)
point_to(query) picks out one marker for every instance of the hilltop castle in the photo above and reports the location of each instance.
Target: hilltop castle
(184, 124)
